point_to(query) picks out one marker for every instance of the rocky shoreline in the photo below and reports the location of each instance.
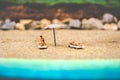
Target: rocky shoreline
(40, 11)
(67, 16)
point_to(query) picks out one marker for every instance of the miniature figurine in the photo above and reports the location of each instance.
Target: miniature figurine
(42, 41)
(76, 45)
(42, 44)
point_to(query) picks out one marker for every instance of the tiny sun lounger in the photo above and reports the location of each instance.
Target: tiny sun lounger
(76, 47)
(42, 47)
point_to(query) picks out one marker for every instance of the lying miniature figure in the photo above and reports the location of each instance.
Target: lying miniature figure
(42, 44)
(75, 45)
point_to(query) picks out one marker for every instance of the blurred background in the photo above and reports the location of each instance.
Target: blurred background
(38, 9)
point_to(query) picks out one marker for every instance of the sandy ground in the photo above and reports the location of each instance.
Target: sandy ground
(23, 44)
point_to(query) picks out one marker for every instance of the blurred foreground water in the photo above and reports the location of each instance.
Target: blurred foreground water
(59, 69)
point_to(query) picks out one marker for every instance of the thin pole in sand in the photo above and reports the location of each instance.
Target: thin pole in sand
(54, 36)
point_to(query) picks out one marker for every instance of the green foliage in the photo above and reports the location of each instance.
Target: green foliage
(107, 3)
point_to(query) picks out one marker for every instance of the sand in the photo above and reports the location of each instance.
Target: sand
(23, 44)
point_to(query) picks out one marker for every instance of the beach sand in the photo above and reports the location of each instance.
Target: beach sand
(23, 44)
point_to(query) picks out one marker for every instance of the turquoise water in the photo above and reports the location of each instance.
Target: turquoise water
(60, 69)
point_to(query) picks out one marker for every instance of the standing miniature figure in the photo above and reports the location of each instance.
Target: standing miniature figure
(42, 44)
(42, 41)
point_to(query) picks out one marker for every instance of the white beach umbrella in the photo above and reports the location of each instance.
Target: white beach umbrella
(53, 26)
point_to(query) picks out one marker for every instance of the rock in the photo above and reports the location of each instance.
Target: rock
(25, 21)
(110, 26)
(35, 25)
(75, 23)
(109, 18)
(8, 25)
(58, 24)
(56, 21)
(1, 22)
(20, 26)
(59, 14)
(66, 20)
(44, 22)
(83, 21)
(119, 25)
(92, 23)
